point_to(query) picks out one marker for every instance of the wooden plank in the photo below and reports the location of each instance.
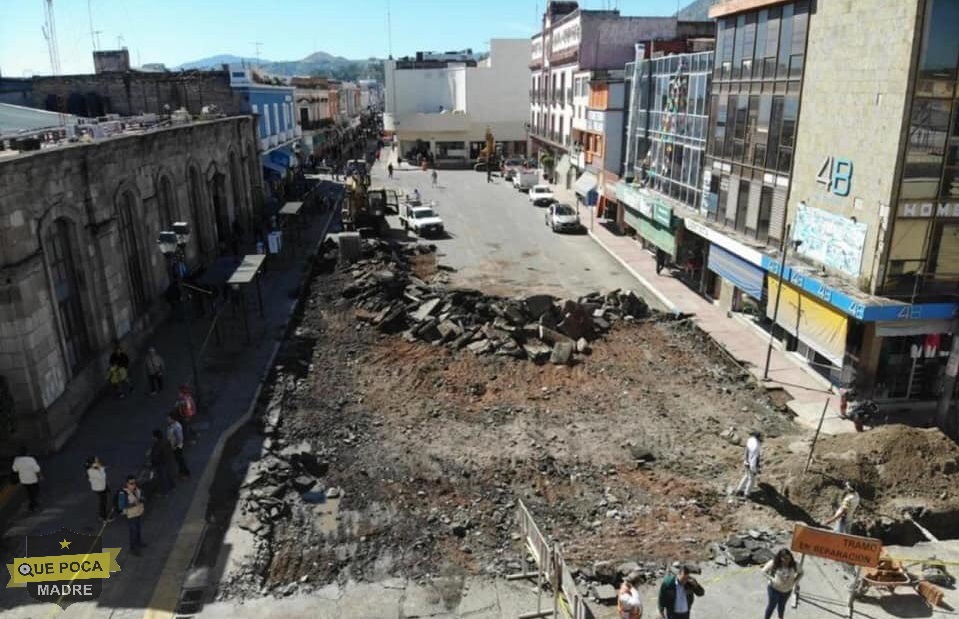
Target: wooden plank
(291, 208)
(931, 593)
(851, 549)
(246, 272)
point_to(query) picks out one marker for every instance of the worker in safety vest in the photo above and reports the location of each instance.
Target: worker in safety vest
(628, 602)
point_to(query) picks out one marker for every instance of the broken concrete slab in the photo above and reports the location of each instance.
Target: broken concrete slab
(562, 353)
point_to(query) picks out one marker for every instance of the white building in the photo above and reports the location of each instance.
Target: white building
(445, 107)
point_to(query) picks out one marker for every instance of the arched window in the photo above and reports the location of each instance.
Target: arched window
(62, 261)
(167, 205)
(131, 251)
(196, 209)
(236, 176)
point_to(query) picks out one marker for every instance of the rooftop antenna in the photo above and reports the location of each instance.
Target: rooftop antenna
(389, 31)
(120, 41)
(94, 34)
(257, 44)
(50, 34)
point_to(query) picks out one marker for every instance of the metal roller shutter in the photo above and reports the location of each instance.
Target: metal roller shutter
(752, 209)
(732, 198)
(778, 215)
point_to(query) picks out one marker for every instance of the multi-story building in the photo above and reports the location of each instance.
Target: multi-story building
(443, 107)
(842, 151)
(665, 144)
(277, 130)
(599, 99)
(572, 41)
(79, 263)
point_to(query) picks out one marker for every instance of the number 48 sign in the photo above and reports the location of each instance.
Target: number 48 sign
(836, 175)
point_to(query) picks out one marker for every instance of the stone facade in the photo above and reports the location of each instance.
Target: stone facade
(854, 104)
(131, 93)
(78, 254)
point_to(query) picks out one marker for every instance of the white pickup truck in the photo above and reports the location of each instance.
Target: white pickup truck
(422, 220)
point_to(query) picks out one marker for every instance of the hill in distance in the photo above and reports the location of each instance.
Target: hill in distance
(317, 63)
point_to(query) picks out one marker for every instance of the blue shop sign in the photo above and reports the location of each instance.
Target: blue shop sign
(862, 310)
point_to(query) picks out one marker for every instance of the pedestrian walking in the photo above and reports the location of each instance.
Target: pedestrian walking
(162, 462)
(154, 369)
(628, 602)
(29, 475)
(677, 593)
(751, 461)
(433, 176)
(660, 260)
(120, 378)
(782, 575)
(847, 509)
(389, 170)
(117, 377)
(185, 408)
(132, 505)
(174, 434)
(97, 475)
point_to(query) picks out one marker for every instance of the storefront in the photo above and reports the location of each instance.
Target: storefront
(912, 358)
(738, 277)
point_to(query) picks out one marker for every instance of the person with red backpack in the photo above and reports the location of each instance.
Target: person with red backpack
(185, 410)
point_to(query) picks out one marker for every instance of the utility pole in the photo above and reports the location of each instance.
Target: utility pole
(783, 250)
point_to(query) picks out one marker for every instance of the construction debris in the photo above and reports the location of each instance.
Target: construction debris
(539, 327)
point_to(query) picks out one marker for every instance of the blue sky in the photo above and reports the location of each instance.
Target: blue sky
(175, 31)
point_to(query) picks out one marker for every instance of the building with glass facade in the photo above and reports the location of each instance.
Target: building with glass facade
(666, 143)
(841, 149)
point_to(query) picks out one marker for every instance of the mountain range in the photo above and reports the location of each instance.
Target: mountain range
(317, 63)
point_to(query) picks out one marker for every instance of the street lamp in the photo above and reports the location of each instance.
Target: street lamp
(172, 245)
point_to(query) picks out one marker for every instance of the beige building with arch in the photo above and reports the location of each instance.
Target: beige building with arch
(79, 264)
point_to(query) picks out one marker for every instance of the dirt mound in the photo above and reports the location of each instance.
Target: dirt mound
(895, 468)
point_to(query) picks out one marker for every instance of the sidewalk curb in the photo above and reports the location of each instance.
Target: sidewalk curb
(166, 594)
(670, 306)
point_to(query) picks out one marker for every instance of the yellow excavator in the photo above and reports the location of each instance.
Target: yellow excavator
(487, 155)
(366, 208)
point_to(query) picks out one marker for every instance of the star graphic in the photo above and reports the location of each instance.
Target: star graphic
(65, 543)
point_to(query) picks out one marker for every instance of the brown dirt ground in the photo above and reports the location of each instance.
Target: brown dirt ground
(421, 438)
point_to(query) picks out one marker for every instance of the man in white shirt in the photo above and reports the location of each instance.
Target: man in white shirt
(751, 457)
(847, 509)
(28, 471)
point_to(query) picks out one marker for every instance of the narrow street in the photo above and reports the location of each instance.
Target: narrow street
(498, 242)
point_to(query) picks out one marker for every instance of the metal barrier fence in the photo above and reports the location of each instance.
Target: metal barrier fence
(551, 567)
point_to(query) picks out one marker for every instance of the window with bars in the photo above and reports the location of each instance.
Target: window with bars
(66, 293)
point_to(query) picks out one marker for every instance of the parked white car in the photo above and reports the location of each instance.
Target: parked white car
(422, 220)
(541, 195)
(562, 218)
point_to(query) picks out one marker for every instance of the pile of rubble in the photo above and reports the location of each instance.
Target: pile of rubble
(752, 547)
(539, 327)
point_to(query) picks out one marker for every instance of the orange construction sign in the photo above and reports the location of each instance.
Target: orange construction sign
(851, 549)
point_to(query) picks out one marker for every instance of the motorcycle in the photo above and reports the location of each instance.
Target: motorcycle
(861, 413)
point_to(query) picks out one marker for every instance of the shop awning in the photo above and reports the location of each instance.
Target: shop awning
(652, 231)
(731, 267)
(281, 157)
(915, 327)
(586, 183)
(814, 323)
(274, 169)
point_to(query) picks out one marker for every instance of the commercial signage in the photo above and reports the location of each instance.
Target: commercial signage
(836, 174)
(926, 210)
(856, 307)
(830, 239)
(746, 253)
(852, 549)
(662, 213)
(63, 567)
